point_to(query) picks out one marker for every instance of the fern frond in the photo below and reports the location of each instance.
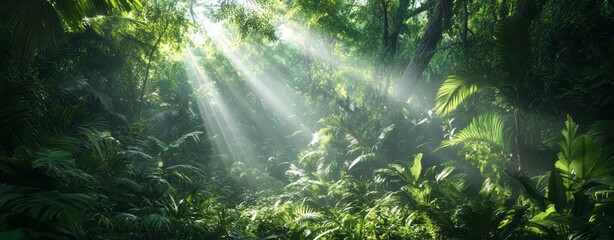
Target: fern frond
(490, 128)
(14, 114)
(305, 213)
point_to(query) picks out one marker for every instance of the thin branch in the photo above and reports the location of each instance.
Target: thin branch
(153, 50)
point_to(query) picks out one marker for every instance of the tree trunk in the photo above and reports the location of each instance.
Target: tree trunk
(437, 22)
(520, 158)
(150, 56)
(392, 27)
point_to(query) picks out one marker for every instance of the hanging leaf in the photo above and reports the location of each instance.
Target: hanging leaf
(556, 191)
(531, 191)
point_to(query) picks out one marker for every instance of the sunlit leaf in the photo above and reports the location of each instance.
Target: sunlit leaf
(416, 168)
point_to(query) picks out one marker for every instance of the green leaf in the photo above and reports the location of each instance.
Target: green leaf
(569, 135)
(556, 191)
(531, 191)
(586, 162)
(583, 156)
(157, 223)
(416, 168)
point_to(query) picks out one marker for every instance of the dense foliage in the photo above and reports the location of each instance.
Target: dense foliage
(355, 119)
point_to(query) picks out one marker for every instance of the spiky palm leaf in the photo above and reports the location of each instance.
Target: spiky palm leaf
(457, 88)
(183, 175)
(37, 24)
(488, 128)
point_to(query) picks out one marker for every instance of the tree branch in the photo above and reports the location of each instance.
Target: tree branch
(150, 56)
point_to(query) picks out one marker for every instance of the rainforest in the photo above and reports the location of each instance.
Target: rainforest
(307, 119)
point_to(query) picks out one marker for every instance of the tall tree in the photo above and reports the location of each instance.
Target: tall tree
(438, 21)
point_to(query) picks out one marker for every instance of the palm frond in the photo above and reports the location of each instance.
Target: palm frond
(43, 206)
(457, 88)
(513, 50)
(183, 175)
(156, 223)
(39, 24)
(35, 24)
(59, 165)
(490, 128)
(183, 139)
(604, 129)
(362, 158)
(127, 222)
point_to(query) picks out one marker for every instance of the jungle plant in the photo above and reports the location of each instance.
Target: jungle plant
(577, 202)
(414, 186)
(511, 82)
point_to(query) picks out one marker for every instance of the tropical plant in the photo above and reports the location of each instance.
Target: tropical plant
(510, 79)
(35, 25)
(414, 186)
(577, 204)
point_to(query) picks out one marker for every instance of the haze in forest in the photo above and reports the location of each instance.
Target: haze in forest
(293, 119)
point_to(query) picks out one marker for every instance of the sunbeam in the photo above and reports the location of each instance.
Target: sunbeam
(265, 83)
(321, 48)
(219, 120)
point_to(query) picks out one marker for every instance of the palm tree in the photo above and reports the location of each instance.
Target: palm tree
(509, 78)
